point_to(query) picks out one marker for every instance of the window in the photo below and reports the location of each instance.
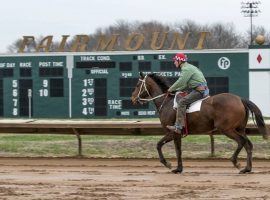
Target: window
(218, 85)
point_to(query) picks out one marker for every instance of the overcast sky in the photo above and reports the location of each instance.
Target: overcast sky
(71, 17)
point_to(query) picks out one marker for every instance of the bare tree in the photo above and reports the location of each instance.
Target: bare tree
(188, 26)
(223, 36)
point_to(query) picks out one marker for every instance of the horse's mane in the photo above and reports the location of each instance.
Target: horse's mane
(161, 81)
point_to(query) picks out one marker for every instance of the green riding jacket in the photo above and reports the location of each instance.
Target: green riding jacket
(190, 77)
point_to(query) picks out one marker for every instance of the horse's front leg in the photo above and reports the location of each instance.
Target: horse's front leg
(167, 138)
(178, 150)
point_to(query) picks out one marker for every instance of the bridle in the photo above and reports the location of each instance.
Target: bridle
(144, 88)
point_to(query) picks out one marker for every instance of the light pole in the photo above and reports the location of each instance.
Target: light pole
(250, 9)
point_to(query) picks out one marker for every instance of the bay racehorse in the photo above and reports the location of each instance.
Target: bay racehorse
(226, 113)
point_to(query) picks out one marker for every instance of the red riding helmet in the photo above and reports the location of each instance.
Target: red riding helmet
(180, 57)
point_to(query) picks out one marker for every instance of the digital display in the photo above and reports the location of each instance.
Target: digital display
(56, 87)
(6, 73)
(25, 72)
(144, 66)
(125, 66)
(51, 72)
(95, 65)
(24, 86)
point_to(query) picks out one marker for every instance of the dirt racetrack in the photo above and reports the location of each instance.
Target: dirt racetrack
(63, 178)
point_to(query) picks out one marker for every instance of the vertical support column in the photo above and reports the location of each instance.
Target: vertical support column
(29, 103)
(69, 65)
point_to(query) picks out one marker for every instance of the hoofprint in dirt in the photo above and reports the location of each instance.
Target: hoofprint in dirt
(56, 178)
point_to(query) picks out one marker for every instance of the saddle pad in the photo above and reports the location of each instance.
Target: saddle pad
(194, 107)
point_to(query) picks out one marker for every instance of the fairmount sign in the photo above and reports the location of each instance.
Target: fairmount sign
(132, 42)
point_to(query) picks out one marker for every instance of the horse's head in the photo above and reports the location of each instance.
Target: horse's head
(141, 90)
(149, 87)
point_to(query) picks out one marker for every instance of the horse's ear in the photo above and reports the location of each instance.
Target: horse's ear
(141, 75)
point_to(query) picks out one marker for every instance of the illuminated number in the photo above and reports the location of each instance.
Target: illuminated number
(15, 111)
(90, 91)
(91, 110)
(90, 101)
(45, 83)
(43, 92)
(85, 82)
(84, 111)
(84, 101)
(88, 82)
(15, 92)
(15, 102)
(87, 101)
(84, 92)
(14, 83)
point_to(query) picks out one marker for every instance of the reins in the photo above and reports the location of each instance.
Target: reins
(143, 86)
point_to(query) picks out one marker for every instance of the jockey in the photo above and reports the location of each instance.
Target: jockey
(190, 78)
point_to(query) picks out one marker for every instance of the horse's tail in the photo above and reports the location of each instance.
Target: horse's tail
(255, 111)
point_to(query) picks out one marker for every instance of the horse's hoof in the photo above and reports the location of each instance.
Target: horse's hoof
(243, 171)
(168, 165)
(176, 171)
(237, 165)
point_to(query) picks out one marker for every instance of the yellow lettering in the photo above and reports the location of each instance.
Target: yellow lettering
(104, 45)
(203, 35)
(27, 40)
(45, 44)
(180, 42)
(62, 45)
(135, 40)
(155, 39)
(81, 42)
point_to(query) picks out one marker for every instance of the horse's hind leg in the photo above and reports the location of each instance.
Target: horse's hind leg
(167, 138)
(240, 143)
(248, 147)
